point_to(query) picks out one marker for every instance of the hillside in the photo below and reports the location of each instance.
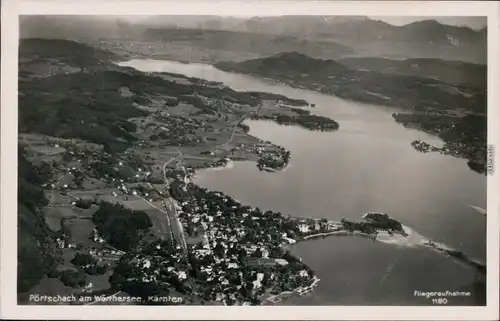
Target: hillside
(331, 77)
(58, 83)
(76, 90)
(286, 65)
(452, 72)
(72, 52)
(37, 252)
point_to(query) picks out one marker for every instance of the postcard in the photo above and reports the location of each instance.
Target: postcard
(184, 160)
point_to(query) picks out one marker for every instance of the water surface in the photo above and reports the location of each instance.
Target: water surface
(367, 165)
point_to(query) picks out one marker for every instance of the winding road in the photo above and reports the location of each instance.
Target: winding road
(236, 125)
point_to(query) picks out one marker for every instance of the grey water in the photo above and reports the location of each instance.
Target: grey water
(367, 165)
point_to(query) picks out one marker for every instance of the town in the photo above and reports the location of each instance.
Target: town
(121, 212)
(222, 251)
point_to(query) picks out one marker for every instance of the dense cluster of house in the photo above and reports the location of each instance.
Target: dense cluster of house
(239, 248)
(175, 130)
(159, 267)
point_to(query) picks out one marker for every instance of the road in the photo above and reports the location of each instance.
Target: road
(168, 162)
(170, 211)
(169, 204)
(236, 125)
(175, 224)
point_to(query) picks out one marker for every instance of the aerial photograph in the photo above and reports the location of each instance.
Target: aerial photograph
(252, 160)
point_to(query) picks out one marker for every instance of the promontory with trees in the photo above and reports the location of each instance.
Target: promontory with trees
(311, 122)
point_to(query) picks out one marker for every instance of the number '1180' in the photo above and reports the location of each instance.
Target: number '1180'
(439, 301)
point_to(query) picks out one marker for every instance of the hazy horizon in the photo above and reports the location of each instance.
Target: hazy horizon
(472, 22)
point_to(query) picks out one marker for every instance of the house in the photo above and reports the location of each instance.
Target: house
(205, 241)
(304, 228)
(147, 264)
(182, 275)
(88, 287)
(60, 243)
(281, 262)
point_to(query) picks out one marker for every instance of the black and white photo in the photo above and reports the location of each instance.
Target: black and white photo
(248, 159)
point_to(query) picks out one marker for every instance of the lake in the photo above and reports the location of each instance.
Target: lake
(367, 165)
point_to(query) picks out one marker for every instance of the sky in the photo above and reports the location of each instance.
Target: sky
(472, 22)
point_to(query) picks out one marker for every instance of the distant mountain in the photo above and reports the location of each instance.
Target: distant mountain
(367, 37)
(423, 39)
(72, 53)
(370, 86)
(452, 72)
(261, 44)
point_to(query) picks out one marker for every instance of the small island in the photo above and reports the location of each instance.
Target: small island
(273, 161)
(423, 147)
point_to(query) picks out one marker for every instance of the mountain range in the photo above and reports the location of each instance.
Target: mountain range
(352, 35)
(368, 37)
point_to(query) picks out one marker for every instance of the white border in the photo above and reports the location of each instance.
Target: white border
(8, 192)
